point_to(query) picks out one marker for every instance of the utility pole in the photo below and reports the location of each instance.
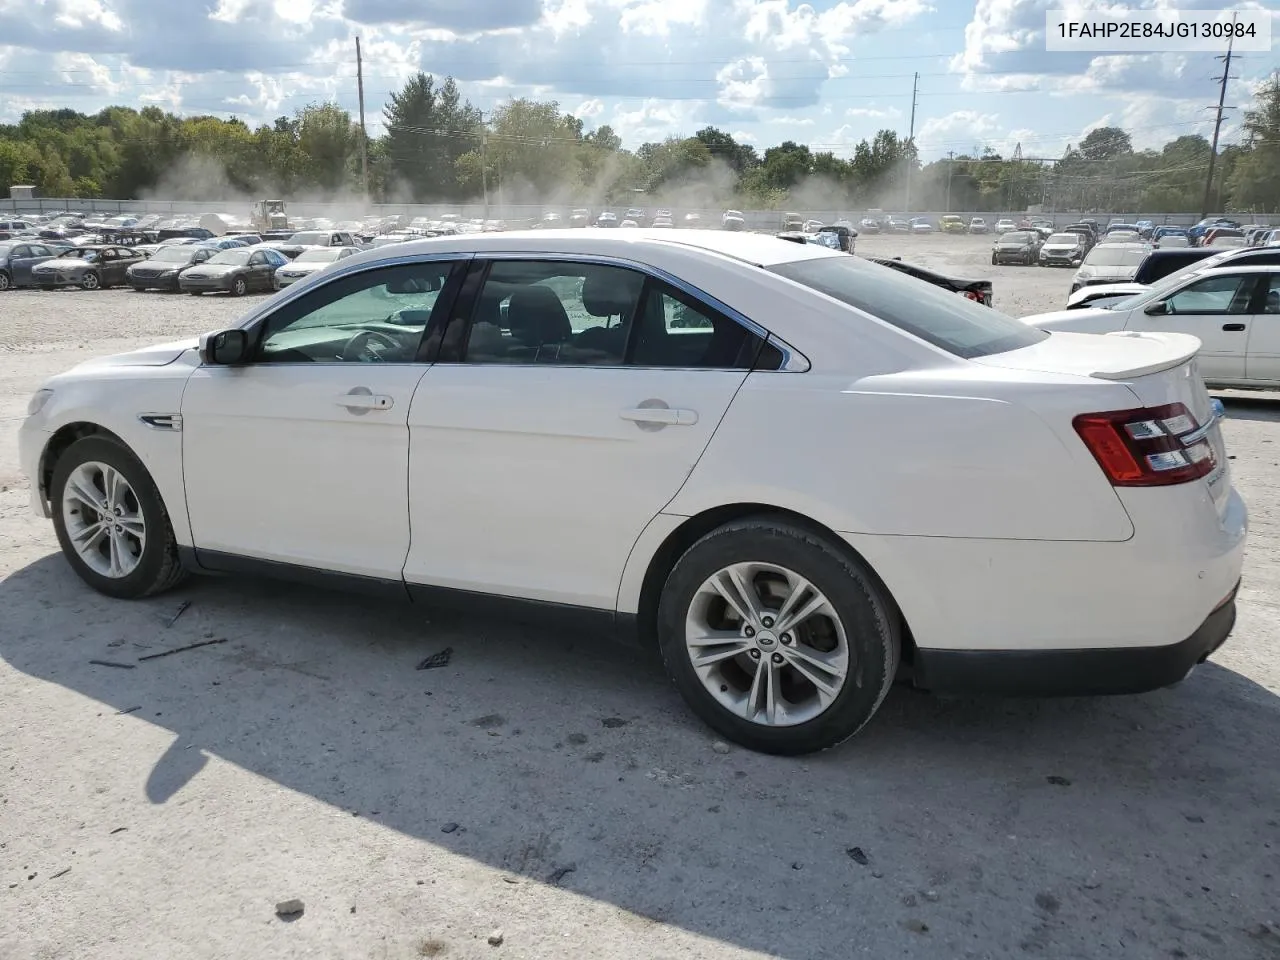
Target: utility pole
(1217, 126)
(484, 166)
(364, 137)
(951, 162)
(911, 136)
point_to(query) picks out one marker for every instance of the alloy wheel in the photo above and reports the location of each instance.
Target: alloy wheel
(104, 520)
(767, 644)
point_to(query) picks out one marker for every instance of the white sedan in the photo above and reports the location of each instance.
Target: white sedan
(790, 469)
(312, 261)
(1233, 310)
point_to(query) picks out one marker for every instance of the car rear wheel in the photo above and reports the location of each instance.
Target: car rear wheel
(776, 638)
(111, 522)
(238, 287)
(91, 281)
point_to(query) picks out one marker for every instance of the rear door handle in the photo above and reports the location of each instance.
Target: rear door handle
(1233, 327)
(664, 415)
(365, 401)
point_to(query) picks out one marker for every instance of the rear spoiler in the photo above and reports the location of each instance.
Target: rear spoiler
(1181, 348)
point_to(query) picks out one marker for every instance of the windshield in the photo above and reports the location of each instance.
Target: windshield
(1012, 238)
(1064, 238)
(235, 257)
(1116, 256)
(318, 256)
(937, 316)
(181, 254)
(310, 239)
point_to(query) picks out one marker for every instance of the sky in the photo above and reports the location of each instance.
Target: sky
(827, 72)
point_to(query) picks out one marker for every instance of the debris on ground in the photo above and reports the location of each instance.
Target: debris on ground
(614, 722)
(61, 873)
(119, 829)
(436, 660)
(189, 646)
(289, 909)
(489, 721)
(449, 828)
(577, 739)
(112, 663)
(1058, 781)
(496, 938)
(857, 855)
(120, 713)
(182, 608)
(720, 747)
(916, 926)
(559, 873)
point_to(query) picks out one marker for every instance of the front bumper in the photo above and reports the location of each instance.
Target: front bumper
(209, 285)
(155, 283)
(1092, 672)
(284, 279)
(51, 281)
(31, 443)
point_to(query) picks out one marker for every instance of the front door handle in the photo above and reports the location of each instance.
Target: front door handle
(365, 401)
(664, 415)
(1233, 327)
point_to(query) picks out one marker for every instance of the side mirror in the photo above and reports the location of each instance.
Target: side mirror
(1157, 309)
(224, 348)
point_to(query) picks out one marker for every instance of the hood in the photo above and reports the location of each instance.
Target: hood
(296, 268)
(1002, 242)
(215, 269)
(1086, 320)
(1061, 245)
(154, 356)
(59, 264)
(1107, 289)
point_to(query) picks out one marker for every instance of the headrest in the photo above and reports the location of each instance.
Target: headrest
(611, 292)
(536, 316)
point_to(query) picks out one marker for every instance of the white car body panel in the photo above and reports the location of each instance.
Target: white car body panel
(961, 482)
(514, 450)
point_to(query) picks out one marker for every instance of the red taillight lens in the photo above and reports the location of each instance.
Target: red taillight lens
(1149, 446)
(970, 295)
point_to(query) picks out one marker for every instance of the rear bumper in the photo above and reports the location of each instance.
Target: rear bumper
(1073, 673)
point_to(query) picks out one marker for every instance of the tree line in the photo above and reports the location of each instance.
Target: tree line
(437, 146)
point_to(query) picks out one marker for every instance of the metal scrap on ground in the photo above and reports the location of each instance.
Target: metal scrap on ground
(440, 659)
(189, 646)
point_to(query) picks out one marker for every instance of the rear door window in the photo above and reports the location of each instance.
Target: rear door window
(944, 319)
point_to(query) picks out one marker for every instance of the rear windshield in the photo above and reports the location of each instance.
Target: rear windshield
(945, 319)
(1117, 256)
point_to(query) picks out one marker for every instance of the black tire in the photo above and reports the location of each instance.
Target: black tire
(6, 283)
(138, 289)
(867, 614)
(91, 281)
(239, 287)
(159, 568)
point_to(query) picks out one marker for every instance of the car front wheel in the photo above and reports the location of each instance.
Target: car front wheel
(91, 281)
(776, 638)
(111, 522)
(238, 287)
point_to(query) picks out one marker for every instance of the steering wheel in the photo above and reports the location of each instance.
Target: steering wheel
(357, 348)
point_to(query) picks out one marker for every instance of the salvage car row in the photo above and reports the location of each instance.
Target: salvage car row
(181, 264)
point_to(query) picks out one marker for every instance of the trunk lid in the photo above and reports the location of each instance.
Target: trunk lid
(1158, 368)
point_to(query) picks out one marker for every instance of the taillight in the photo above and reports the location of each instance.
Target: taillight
(1149, 446)
(971, 295)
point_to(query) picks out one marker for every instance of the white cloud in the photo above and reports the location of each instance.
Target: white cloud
(589, 109)
(878, 113)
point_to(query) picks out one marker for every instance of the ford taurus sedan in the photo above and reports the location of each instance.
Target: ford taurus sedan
(602, 426)
(160, 270)
(236, 271)
(18, 258)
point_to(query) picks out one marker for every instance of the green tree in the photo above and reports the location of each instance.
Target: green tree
(427, 130)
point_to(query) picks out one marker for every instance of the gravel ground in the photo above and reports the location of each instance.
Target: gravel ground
(554, 787)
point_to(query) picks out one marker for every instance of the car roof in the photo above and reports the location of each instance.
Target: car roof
(760, 249)
(1242, 268)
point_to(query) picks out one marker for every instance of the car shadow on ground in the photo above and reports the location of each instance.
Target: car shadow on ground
(1148, 823)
